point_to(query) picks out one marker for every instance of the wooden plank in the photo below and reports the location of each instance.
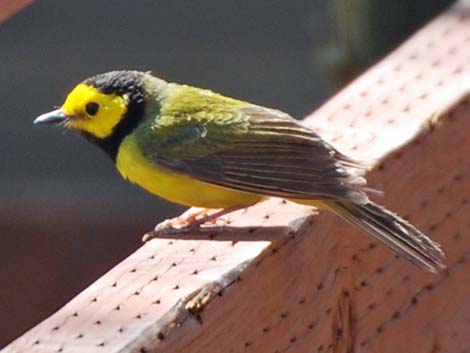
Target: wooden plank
(10, 7)
(282, 279)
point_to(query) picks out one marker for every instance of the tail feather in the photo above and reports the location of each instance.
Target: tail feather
(393, 231)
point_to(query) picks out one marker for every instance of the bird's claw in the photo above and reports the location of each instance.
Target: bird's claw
(194, 220)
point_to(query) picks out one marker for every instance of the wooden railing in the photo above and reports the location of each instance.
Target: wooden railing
(283, 278)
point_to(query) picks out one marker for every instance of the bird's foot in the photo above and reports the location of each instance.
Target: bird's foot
(189, 217)
(194, 220)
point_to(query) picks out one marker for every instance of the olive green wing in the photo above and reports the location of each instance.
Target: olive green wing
(253, 149)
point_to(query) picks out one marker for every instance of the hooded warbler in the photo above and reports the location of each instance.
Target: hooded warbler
(198, 148)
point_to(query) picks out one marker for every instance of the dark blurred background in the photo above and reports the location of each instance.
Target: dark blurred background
(66, 216)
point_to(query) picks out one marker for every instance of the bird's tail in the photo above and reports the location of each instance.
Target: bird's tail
(393, 231)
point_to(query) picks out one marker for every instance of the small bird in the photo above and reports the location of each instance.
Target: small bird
(198, 148)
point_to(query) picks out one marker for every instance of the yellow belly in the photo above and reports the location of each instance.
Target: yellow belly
(174, 187)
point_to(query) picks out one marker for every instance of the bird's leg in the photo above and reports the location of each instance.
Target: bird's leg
(187, 217)
(191, 220)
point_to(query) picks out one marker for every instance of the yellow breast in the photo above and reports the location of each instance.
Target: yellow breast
(175, 187)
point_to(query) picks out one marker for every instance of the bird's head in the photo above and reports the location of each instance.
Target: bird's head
(105, 108)
(98, 106)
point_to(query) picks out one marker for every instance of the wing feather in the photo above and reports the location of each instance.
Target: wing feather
(262, 151)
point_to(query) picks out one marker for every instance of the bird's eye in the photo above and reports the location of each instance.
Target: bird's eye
(92, 108)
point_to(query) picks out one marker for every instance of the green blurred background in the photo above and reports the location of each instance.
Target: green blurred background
(66, 216)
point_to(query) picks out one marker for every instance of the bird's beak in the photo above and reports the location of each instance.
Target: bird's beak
(54, 117)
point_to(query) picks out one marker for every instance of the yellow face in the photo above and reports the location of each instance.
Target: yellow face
(92, 111)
